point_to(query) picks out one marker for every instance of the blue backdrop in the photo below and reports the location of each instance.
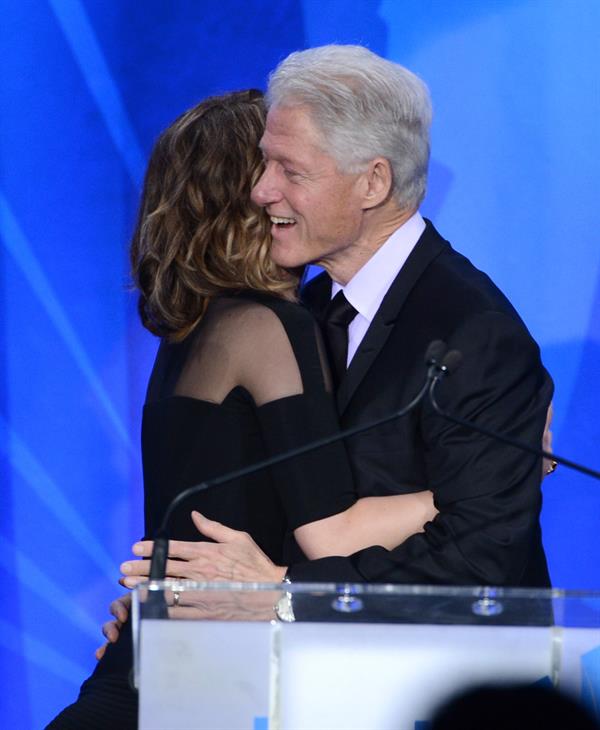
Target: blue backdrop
(86, 87)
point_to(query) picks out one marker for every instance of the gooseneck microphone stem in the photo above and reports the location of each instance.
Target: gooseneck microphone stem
(160, 550)
(440, 362)
(507, 439)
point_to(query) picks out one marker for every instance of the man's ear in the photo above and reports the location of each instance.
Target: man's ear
(379, 181)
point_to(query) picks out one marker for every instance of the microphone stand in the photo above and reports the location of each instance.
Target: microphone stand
(517, 443)
(160, 551)
(440, 363)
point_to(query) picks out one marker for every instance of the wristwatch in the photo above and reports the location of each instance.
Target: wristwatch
(284, 610)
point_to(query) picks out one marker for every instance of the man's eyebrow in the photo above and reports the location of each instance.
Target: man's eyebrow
(281, 160)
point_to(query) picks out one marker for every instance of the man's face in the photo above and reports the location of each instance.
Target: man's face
(315, 209)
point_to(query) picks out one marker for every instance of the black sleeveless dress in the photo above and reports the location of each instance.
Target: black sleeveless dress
(249, 382)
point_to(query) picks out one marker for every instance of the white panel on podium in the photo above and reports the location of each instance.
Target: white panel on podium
(204, 675)
(389, 676)
(356, 657)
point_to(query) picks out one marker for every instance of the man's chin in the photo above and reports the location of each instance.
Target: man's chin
(287, 255)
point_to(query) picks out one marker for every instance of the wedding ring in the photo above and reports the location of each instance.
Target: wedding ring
(552, 467)
(176, 598)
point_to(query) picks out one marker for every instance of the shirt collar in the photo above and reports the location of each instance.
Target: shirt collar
(367, 288)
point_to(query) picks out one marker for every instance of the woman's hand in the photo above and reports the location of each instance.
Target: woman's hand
(548, 466)
(119, 608)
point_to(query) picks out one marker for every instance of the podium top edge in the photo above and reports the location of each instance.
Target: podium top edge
(375, 589)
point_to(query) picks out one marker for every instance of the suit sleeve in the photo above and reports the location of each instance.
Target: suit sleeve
(487, 493)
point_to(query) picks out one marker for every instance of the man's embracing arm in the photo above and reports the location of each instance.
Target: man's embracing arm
(487, 493)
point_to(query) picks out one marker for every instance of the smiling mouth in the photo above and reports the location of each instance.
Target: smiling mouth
(282, 222)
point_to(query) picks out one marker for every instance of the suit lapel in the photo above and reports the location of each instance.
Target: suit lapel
(429, 245)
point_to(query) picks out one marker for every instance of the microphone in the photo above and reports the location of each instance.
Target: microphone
(443, 360)
(439, 363)
(450, 362)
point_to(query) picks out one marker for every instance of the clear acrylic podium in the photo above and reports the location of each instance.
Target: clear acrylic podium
(219, 656)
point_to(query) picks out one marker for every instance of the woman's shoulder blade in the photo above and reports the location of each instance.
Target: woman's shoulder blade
(257, 310)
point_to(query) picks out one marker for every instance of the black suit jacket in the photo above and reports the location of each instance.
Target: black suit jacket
(488, 494)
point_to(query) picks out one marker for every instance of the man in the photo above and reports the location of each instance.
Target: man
(346, 149)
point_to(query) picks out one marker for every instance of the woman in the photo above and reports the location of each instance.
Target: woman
(239, 374)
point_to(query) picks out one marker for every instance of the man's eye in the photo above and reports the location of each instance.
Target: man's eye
(290, 173)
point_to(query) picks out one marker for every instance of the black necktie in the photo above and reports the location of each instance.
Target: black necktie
(338, 316)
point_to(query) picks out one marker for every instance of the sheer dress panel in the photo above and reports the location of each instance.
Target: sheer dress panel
(249, 382)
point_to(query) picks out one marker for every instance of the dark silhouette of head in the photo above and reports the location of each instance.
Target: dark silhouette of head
(512, 707)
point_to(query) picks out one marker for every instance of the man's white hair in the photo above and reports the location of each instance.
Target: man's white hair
(365, 107)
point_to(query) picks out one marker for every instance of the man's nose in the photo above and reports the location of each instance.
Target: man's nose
(266, 191)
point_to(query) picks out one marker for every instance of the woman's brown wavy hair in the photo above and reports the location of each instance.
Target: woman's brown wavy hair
(198, 234)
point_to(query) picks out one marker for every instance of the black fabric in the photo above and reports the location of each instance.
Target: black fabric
(488, 493)
(106, 699)
(249, 382)
(338, 316)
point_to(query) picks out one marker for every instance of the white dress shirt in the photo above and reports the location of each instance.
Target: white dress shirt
(367, 288)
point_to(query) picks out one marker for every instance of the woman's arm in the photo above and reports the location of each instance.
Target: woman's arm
(385, 521)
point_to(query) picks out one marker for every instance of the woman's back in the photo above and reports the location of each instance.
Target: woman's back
(247, 383)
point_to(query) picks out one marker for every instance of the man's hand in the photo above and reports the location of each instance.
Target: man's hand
(225, 605)
(119, 608)
(233, 557)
